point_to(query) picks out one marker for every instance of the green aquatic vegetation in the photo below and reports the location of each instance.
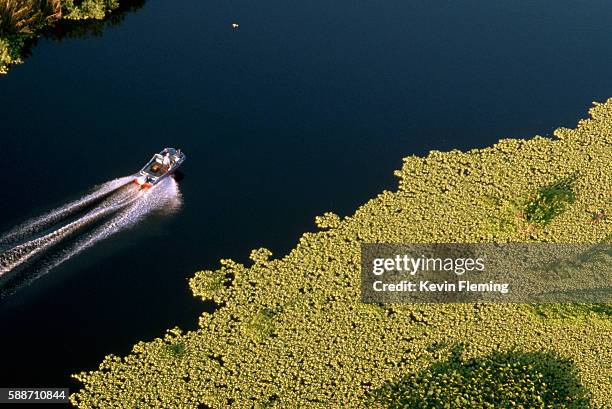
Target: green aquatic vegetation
(22, 21)
(6, 58)
(19, 20)
(327, 221)
(549, 201)
(88, 9)
(499, 380)
(27, 16)
(210, 285)
(574, 311)
(177, 349)
(292, 331)
(261, 324)
(518, 217)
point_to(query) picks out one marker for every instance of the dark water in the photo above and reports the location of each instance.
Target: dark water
(308, 107)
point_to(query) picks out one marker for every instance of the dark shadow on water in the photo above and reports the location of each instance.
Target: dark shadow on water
(93, 28)
(501, 380)
(71, 29)
(179, 176)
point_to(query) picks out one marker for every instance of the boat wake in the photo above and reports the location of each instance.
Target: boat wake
(166, 199)
(47, 220)
(110, 208)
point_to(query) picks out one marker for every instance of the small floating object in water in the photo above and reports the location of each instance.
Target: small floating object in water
(235, 26)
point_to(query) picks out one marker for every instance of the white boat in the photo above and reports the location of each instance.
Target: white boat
(160, 166)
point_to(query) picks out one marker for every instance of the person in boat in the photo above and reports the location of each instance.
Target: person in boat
(167, 161)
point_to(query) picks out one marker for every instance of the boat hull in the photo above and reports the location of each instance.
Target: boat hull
(161, 166)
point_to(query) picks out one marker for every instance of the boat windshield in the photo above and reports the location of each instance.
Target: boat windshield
(160, 164)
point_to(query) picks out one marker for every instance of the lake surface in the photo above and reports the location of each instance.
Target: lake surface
(308, 107)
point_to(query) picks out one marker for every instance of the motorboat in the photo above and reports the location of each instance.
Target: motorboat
(160, 166)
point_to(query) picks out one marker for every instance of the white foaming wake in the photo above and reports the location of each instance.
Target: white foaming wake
(164, 197)
(21, 253)
(54, 216)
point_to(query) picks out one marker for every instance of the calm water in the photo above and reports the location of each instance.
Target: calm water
(308, 107)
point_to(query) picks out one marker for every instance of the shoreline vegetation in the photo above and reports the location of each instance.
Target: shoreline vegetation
(292, 331)
(22, 22)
